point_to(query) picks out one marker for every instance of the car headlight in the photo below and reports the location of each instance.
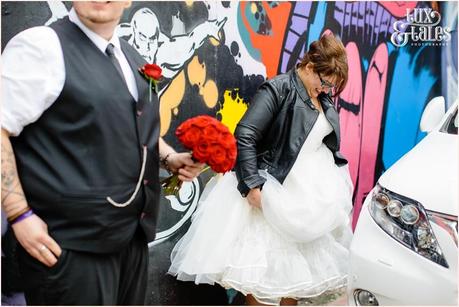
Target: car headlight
(406, 221)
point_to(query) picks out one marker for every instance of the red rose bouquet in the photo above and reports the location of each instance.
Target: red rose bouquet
(210, 142)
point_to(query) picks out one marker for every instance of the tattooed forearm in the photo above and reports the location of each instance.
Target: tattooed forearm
(13, 198)
(8, 162)
(10, 190)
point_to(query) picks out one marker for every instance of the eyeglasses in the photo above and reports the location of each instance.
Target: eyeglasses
(326, 85)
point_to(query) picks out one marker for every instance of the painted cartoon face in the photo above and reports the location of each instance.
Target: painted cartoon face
(145, 28)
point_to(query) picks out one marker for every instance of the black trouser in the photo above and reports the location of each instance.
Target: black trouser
(81, 278)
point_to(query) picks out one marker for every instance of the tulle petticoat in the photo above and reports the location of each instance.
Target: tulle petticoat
(232, 244)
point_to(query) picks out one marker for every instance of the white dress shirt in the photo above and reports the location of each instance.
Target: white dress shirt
(33, 73)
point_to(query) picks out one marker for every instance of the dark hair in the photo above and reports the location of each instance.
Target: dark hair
(329, 58)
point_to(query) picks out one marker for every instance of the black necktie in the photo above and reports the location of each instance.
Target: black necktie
(111, 55)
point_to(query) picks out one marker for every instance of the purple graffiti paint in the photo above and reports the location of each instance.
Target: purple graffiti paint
(298, 26)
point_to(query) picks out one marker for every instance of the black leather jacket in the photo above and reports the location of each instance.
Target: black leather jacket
(274, 128)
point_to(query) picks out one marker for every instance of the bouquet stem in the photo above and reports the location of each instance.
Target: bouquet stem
(172, 184)
(149, 92)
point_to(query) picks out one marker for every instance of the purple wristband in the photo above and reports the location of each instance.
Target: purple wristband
(22, 216)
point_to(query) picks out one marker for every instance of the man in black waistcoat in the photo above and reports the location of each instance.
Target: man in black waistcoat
(80, 159)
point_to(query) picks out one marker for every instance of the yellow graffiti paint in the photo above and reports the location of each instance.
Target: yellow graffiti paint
(214, 41)
(253, 8)
(232, 110)
(209, 93)
(196, 72)
(207, 88)
(170, 100)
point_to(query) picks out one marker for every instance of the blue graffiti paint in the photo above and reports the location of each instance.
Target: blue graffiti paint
(407, 98)
(390, 48)
(316, 27)
(243, 32)
(365, 64)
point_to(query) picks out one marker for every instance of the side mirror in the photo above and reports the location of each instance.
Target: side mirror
(432, 114)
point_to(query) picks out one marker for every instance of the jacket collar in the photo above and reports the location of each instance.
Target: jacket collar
(326, 101)
(298, 84)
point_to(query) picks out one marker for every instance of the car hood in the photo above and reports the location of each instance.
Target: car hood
(428, 173)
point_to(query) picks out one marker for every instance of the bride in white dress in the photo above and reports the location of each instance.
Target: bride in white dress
(288, 238)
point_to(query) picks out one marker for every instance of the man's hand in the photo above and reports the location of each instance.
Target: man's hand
(184, 166)
(254, 198)
(32, 234)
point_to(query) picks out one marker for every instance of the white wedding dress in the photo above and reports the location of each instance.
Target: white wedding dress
(296, 246)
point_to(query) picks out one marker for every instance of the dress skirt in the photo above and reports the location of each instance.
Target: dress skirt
(295, 246)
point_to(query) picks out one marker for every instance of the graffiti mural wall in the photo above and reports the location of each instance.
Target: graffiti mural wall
(215, 54)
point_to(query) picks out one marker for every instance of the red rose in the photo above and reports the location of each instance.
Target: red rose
(217, 154)
(217, 169)
(190, 138)
(182, 129)
(224, 167)
(232, 154)
(227, 166)
(200, 152)
(223, 129)
(152, 71)
(227, 140)
(202, 121)
(211, 133)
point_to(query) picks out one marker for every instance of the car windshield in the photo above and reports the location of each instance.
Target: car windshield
(451, 124)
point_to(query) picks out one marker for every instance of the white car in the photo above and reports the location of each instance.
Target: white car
(404, 249)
